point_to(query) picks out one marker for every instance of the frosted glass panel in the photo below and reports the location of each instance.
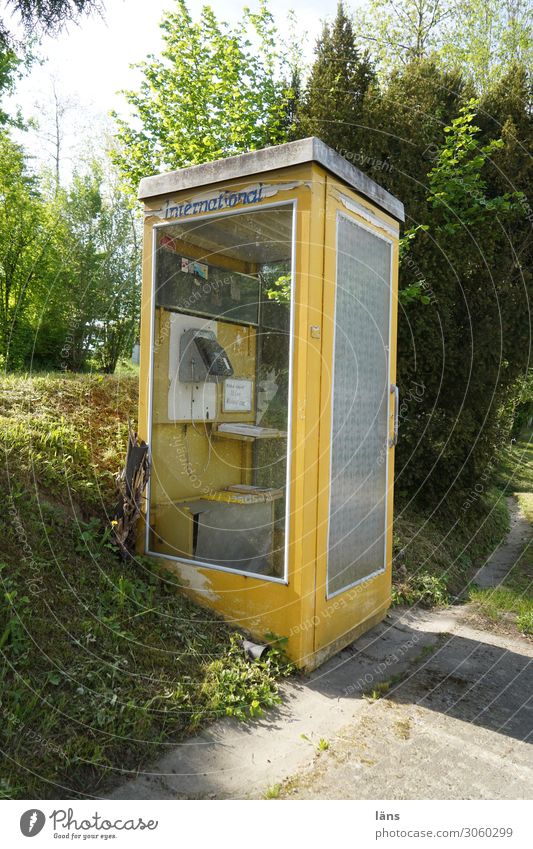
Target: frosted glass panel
(360, 406)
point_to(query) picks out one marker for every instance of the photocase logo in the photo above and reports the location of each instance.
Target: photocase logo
(32, 822)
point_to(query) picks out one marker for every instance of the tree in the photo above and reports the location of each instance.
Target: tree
(212, 93)
(462, 333)
(467, 256)
(46, 17)
(12, 67)
(26, 244)
(402, 30)
(487, 37)
(481, 39)
(85, 311)
(404, 122)
(81, 263)
(69, 269)
(97, 290)
(118, 322)
(339, 80)
(51, 128)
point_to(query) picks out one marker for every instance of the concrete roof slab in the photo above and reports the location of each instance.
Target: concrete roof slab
(272, 159)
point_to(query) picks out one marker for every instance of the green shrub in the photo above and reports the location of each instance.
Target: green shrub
(423, 589)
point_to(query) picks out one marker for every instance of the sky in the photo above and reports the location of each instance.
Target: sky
(90, 61)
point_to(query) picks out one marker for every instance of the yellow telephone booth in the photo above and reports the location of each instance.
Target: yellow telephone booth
(268, 397)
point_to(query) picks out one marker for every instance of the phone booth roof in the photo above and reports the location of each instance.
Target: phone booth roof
(270, 159)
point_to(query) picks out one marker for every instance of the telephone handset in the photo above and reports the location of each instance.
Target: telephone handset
(202, 358)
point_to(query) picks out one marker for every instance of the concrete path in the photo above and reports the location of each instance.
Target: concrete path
(503, 558)
(455, 720)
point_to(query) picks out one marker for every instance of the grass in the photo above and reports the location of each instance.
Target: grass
(103, 662)
(381, 689)
(273, 792)
(512, 602)
(516, 468)
(436, 554)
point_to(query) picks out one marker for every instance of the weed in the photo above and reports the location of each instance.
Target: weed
(321, 746)
(423, 589)
(403, 728)
(381, 689)
(273, 792)
(242, 689)
(524, 621)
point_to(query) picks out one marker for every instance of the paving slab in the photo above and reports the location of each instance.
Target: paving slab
(406, 751)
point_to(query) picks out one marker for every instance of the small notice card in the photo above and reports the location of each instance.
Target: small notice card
(237, 396)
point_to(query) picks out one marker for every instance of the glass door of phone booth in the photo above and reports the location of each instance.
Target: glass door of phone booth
(221, 389)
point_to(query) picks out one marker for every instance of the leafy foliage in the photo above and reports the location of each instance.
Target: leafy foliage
(215, 91)
(69, 269)
(482, 39)
(12, 67)
(26, 247)
(486, 38)
(462, 170)
(46, 16)
(102, 253)
(466, 256)
(458, 189)
(402, 30)
(422, 589)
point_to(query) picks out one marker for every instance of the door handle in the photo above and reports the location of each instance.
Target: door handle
(394, 439)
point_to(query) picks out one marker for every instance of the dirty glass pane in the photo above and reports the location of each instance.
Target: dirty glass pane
(360, 406)
(221, 390)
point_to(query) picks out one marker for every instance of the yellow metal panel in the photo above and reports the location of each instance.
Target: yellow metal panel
(166, 519)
